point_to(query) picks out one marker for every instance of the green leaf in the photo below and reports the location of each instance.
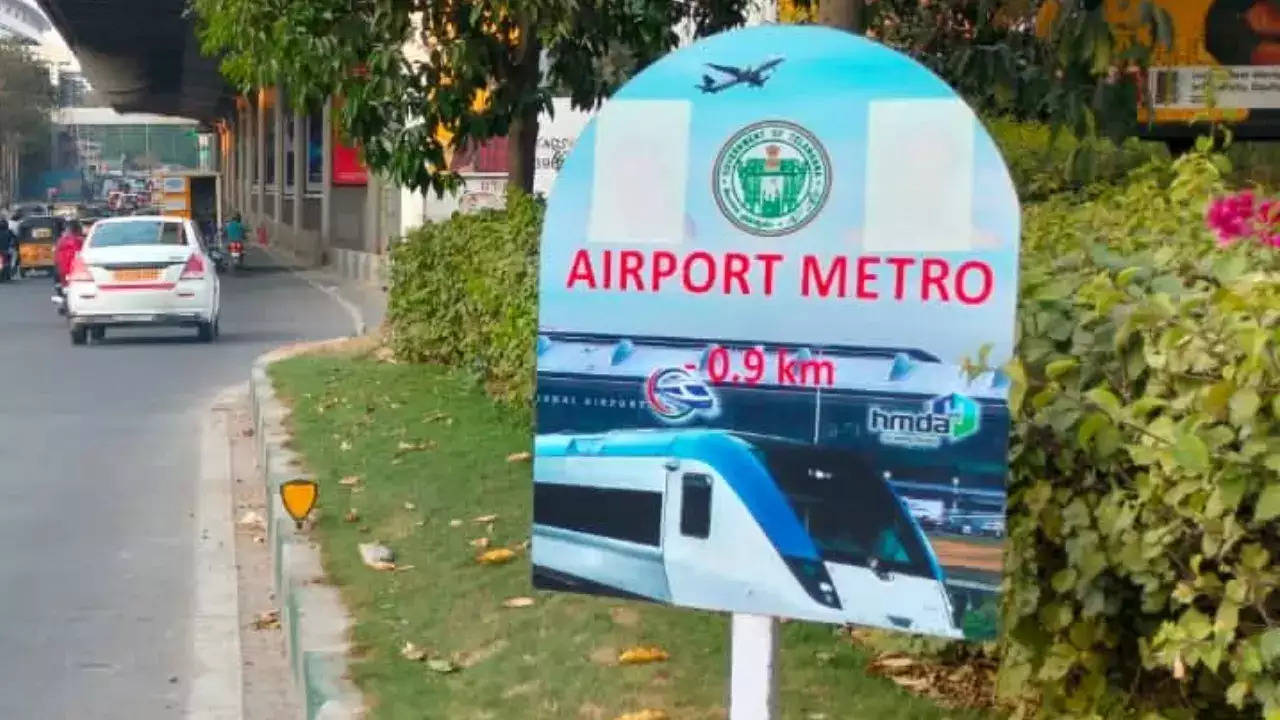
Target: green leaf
(1238, 693)
(1269, 645)
(1244, 406)
(1190, 452)
(1217, 397)
(1105, 399)
(1196, 624)
(1058, 368)
(1268, 503)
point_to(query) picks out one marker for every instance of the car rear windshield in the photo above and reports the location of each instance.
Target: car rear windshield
(141, 232)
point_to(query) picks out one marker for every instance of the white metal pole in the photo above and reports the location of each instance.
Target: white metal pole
(752, 679)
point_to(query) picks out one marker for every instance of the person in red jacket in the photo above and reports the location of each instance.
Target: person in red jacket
(69, 245)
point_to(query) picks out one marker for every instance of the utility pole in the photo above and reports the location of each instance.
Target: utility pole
(848, 15)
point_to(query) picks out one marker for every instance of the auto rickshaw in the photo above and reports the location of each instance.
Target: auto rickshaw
(37, 238)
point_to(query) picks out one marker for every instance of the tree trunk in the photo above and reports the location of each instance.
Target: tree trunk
(522, 139)
(848, 15)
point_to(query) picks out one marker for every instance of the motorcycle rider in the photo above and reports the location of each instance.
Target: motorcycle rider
(69, 245)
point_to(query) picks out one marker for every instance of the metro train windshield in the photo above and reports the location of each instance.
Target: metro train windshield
(852, 515)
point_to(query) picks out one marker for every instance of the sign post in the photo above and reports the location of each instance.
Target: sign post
(763, 267)
(753, 686)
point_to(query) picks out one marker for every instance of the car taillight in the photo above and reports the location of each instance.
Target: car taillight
(194, 269)
(79, 271)
(237, 247)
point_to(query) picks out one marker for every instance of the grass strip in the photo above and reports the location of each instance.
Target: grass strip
(417, 457)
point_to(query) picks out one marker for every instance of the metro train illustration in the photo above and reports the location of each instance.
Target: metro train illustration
(655, 482)
(727, 520)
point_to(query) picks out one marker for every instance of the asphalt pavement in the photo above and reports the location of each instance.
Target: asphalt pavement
(99, 453)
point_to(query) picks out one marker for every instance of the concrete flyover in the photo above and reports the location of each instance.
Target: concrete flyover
(142, 56)
(22, 20)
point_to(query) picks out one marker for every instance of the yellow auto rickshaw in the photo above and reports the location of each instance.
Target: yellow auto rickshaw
(37, 238)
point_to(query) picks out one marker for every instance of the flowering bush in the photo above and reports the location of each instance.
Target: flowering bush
(1242, 217)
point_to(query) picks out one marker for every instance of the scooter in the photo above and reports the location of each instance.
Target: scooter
(59, 299)
(237, 254)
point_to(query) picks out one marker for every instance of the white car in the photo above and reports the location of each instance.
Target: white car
(142, 270)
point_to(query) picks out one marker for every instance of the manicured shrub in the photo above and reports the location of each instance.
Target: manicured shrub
(464, 293)
(1044, 163)
(1145, 458)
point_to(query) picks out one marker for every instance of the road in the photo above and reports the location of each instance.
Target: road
(99, 448)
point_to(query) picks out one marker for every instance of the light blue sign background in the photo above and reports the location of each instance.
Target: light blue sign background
(825, 84)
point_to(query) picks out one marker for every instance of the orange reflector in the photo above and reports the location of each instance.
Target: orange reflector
(298, 496)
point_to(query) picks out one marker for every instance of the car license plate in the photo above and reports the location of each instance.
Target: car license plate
(133, 318)
(136, 275)
(41, 233)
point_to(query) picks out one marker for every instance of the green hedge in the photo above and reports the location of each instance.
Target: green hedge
(1043, 163)
(464, 293)
(1144, 490)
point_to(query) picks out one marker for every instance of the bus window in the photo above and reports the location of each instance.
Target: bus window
(695, 506)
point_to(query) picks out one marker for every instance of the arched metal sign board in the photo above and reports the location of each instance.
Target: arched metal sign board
(762, 267)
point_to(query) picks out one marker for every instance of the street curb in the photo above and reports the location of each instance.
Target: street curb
(315, 623)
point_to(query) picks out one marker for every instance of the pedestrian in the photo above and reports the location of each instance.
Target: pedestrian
(8, 247)
(69, 245)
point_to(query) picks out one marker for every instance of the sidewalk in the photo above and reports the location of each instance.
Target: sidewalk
(367, 303)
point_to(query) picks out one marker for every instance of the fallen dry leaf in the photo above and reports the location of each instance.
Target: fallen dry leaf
(642, 655)
(484, 518)
(404, 568)
(893, 662)
(350, 480)
(455, 523)
(521, 456)
(646, 714)
(345, 445)
(412, 652)
(252, 519)
(405, 447)
(517, 602)
(497, 556)
(480, 542)
(269, 620)
(410, 506)
(441, 665)
(436, 416)
(259, 539)
(911, 683)
(352, 515)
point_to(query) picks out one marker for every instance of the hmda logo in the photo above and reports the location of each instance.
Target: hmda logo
(945, 419)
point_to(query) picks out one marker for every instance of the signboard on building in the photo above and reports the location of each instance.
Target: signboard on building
(348, 167)
(760, 274)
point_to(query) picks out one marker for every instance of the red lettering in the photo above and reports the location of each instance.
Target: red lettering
(900, 265)
(864, 276)
(735, 269)
(608, 269)
(710, 272)
(935, 276)
(769, 260)
(988, 280)
(632, 261)
(664, 266)
(812, 274)
(581, 270)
